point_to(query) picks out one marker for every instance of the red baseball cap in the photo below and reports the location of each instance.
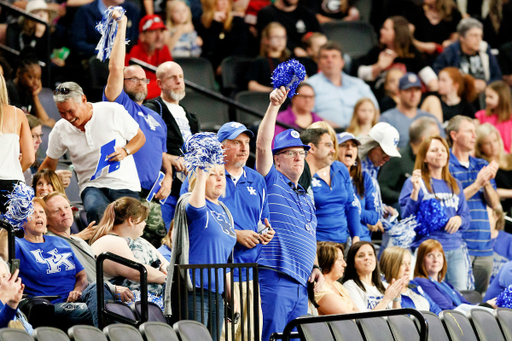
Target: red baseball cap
(150, 23)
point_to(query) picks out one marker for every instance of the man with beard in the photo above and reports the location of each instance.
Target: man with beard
(180, 126)
(151, 49)
(128, 87)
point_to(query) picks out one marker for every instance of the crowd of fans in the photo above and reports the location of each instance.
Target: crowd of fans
(421, 124)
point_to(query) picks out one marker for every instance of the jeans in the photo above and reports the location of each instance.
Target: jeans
(457, 273)
(96, 200)
(70, 314)
(482, 269)
(89, 296)
(194, 313)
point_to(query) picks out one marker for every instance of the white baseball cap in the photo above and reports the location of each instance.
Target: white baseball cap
(387, 136)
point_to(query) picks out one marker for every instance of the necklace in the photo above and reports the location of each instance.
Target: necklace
(435, 194)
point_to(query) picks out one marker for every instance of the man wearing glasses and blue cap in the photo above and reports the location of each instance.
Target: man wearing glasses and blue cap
(287, 263)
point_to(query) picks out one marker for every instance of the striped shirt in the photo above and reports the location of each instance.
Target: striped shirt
(292, 215)
(478, 235)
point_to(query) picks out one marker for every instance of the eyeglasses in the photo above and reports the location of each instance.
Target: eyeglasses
(62, 91)
(293, 154)
(37, 136)
(135, 80)
(327, 144)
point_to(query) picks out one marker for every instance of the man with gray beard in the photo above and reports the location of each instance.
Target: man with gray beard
(180, 125)
(128, 87)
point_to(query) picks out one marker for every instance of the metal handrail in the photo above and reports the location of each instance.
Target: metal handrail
(102, 312)
(11, 234)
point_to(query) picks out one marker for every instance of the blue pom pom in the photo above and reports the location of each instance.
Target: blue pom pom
(401, 234)
(289, 74)
(203, 150)
(158, 300)
(108, 30)
(19, 205)
(430, 217)
(504, 299)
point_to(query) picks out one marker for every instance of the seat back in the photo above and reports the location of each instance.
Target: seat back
(192, 331)
(122, 332)
(472, 296)
(436, 331)
(46, 99)
(504, 318)
(457, 326)
(86, 333)
(403, 328)
(11, 334)
(234, 71)
(315, 331)
(49, 334)
(211, 114)
(485, 325)
(120, 308)
(345, 331)
(255, 99)
(375, 329)
(154, 312)
(356, 37)
(43, 147)
(197, 70)
(39, 311)
(158, 331)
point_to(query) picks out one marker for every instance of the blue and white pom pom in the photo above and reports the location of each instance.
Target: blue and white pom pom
(430, 217)
(504, 299)
(203, 150)
(289, 74)
(108, 30)
(19, 205)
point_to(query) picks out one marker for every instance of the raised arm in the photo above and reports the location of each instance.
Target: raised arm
(197, 199)
(116, 62)
(49, 163)
(264, 159)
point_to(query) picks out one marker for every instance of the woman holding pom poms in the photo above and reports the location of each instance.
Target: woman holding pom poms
(446, 215)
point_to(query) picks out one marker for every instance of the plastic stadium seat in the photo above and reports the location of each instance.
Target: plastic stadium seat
(49, 334)
(122, 332)
(403, 328)
(485, 325)
(472, 296)
(158, 331)
(192, 331)
(375, 329)
(120, 308)
(43, 147)
(98, 73)
(154, 312)
(345, 331)
(436, 331)
(46, 99)
(504, 317)
(457, 326)
(10, 334)
(234, 71)
(315, 331)
(211, 114)
(356, 37)
(86, 333)
(197, 70)
(255, 99)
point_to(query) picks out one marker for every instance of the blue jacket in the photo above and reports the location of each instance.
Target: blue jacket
(452, 54)
(442, 299)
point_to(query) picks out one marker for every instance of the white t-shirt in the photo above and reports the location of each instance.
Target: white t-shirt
(420, 302)
(181, 119)
(109, 121)
(368, 300)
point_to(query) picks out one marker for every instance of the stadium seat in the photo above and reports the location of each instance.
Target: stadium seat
(122, 332)
(211, 114)
(436, 331)
(86, 333)
(46, 99)
(315, 331)
(43, 147)
(355, 37)
(98, 73)
(155, 314)
(158, 331)
(403, 328)
(375, 329)
(485, 325)
(120, 308)
(234, 71)
(192, 331)
(504, 317)
(197, 70)
(11, 334)
(472, 296)
(255, 99)
(457, 326)
(49, 334)
(345, 331)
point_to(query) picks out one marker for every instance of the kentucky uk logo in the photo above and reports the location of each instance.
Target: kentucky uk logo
(55, 261)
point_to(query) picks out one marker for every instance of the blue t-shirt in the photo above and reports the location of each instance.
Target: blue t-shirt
(165, 251)
(148, 158)
(367, 208)
(503, 245)
(48, 268)
(336, 206)
(212, 239)
(500, 282)
(292, 215)
(478, 235)
(452, 204)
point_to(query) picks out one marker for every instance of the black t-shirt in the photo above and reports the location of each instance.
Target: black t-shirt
(505, 59)
(504, 34)
(329, 8)
(20, 98)
(426, 32)
(297, 22)
(463, 108)
(310, 66)
(386, 103)
(504, 180)
(261, 70)
(472, 65)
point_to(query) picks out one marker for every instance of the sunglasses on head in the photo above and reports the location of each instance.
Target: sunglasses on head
(63, 91)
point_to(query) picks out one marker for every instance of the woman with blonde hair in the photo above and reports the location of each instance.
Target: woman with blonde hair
(182, 38)
(15, 139)
(364, 118)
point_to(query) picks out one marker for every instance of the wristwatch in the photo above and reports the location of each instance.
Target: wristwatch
(127, 151)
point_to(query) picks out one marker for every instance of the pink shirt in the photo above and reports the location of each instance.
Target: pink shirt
(505, 128)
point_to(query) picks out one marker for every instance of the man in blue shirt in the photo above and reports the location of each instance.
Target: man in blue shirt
(477, 178)
(128, 87)
(287, 262)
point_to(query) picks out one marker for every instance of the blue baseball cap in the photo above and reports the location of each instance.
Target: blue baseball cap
(409, 80)
(232, 130)
(344, 137)
(287, 139)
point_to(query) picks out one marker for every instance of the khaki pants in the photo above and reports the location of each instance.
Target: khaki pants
(226, 335)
